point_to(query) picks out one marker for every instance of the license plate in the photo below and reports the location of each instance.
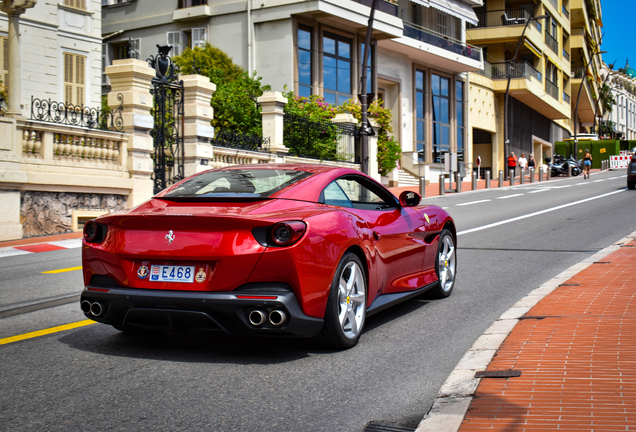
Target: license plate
(171, 273)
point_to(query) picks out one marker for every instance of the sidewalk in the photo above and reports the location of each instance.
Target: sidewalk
(572, 343)
(432, 189)
(40, 244)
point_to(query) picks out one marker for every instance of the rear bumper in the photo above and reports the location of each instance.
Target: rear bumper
(177, 310)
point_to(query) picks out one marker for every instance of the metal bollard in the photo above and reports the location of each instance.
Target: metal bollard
(442, 185)
(511, 178)
(531, 174)
(548, 175)
(540, 176)
(569, 170)
(422, 187)
(474, 185)
(500, 180)
(458, 182)
(487, 179)
(522, 178)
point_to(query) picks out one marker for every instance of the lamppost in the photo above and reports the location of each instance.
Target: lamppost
(576, 107)
(597, 105)
(510, 69)
(365, 127)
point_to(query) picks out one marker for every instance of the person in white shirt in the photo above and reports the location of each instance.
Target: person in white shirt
(523, 164)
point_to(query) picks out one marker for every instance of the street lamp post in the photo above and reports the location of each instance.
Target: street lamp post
(510, 69)
(597, 105)
(576, 107)
(365, 98)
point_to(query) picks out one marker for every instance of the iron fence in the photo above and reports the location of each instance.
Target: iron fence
(49, 111)
(317, 140)
(240, 141)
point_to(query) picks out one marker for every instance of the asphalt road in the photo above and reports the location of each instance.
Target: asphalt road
(95, 377)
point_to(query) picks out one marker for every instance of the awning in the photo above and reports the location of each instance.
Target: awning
(532, 48)
(455, 8)
(421, 2)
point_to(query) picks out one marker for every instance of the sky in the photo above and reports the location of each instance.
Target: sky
(620, 33)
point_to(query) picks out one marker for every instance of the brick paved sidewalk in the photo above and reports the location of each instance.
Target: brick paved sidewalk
(576, 350)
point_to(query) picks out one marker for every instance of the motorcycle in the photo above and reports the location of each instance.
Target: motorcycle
(561, 166)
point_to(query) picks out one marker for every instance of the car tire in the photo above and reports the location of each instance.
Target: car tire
(346, 306)
(631, 184)
(445, 265)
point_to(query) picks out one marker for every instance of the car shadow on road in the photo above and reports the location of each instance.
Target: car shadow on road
(214, 347)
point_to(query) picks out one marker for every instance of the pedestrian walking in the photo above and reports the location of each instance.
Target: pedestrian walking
(532, 164)
(587, 164)
(523, 163)
(512, 164)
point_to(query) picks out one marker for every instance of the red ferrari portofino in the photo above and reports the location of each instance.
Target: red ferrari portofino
(297, 250)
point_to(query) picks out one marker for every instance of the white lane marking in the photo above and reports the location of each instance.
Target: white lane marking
(539, 190)
(561, 187)
(68, 244)
(538, 213)
(596, 181)
(472, 202)
(509, 196)
(9, 251)
(445, 208)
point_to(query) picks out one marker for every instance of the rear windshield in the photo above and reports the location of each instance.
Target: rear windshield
(241, 184)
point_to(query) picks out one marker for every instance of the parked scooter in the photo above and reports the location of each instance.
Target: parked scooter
(561, 165)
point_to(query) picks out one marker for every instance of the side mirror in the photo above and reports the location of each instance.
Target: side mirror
(409, 199)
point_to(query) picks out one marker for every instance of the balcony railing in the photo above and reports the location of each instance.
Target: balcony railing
(552, 89)
(566, 54)
(578, 31)
(387, 6)
(578, 72)
(430, 37)
(502, 17)
(500, 71)
(552, 43)
(566, 97)
(555, 3)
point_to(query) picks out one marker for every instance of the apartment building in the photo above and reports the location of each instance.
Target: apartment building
(552, 85)
(60, 47)
(419, 55)
(622, 83)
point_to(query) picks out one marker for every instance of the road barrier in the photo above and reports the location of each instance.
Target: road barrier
(618, 162)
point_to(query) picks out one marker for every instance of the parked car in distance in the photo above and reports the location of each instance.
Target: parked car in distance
(631, 171)
(273, 250)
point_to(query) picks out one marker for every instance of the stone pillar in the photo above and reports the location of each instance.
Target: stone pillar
(197, 131)
(373, 152)
(13, 9)
(347, 143)
(131, 78)
(272, 105)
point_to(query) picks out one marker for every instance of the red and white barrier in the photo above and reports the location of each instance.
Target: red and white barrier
(618, 162)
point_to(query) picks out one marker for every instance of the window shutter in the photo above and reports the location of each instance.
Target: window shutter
(74, 78)
(4, 71)
(174, 40)
(199, 37)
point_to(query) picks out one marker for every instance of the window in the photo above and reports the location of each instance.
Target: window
(459, 115)
(105, 62)
(336, 69)
(174, 40)
(356, 192)
(199, 37)
(420, 121)
(74, 77)
(441, 116)
(121, 49)
(305, 78)
(78, 4)
(190, 3)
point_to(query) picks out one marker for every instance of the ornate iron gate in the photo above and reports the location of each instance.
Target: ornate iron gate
(167, 133)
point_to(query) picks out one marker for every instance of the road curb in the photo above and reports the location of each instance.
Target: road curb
(455, 396)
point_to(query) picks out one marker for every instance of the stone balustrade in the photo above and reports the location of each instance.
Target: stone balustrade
(224, 156)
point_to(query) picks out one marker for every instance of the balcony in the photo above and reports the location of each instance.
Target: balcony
(552, 89)
(502, 17)
(498, 71)
(555, 3)
(566, 55)
(430, 37)
(552, 43)
(387, 6)
(565, 12)
(566, 97)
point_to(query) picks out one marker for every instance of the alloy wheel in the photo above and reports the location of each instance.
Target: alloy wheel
(351, 300)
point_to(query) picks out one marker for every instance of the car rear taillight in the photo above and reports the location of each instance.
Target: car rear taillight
(287, 233)
(94, 232)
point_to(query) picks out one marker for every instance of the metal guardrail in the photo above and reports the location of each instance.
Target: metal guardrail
(552, 89)
(431, 37)
(47, 110)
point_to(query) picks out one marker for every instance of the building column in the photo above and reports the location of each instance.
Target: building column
(272, 110)
(197, 131)
(13, 9)
(131, 79)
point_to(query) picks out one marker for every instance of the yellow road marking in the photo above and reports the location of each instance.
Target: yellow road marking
(64, 270)
(38, 333)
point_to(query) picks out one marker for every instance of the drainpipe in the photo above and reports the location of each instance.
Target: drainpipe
(249, 37)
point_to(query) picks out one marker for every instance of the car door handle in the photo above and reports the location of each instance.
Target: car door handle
(377, 236)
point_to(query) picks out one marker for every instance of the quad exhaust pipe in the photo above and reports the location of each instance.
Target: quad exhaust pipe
(92, 308)
(276, 317)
